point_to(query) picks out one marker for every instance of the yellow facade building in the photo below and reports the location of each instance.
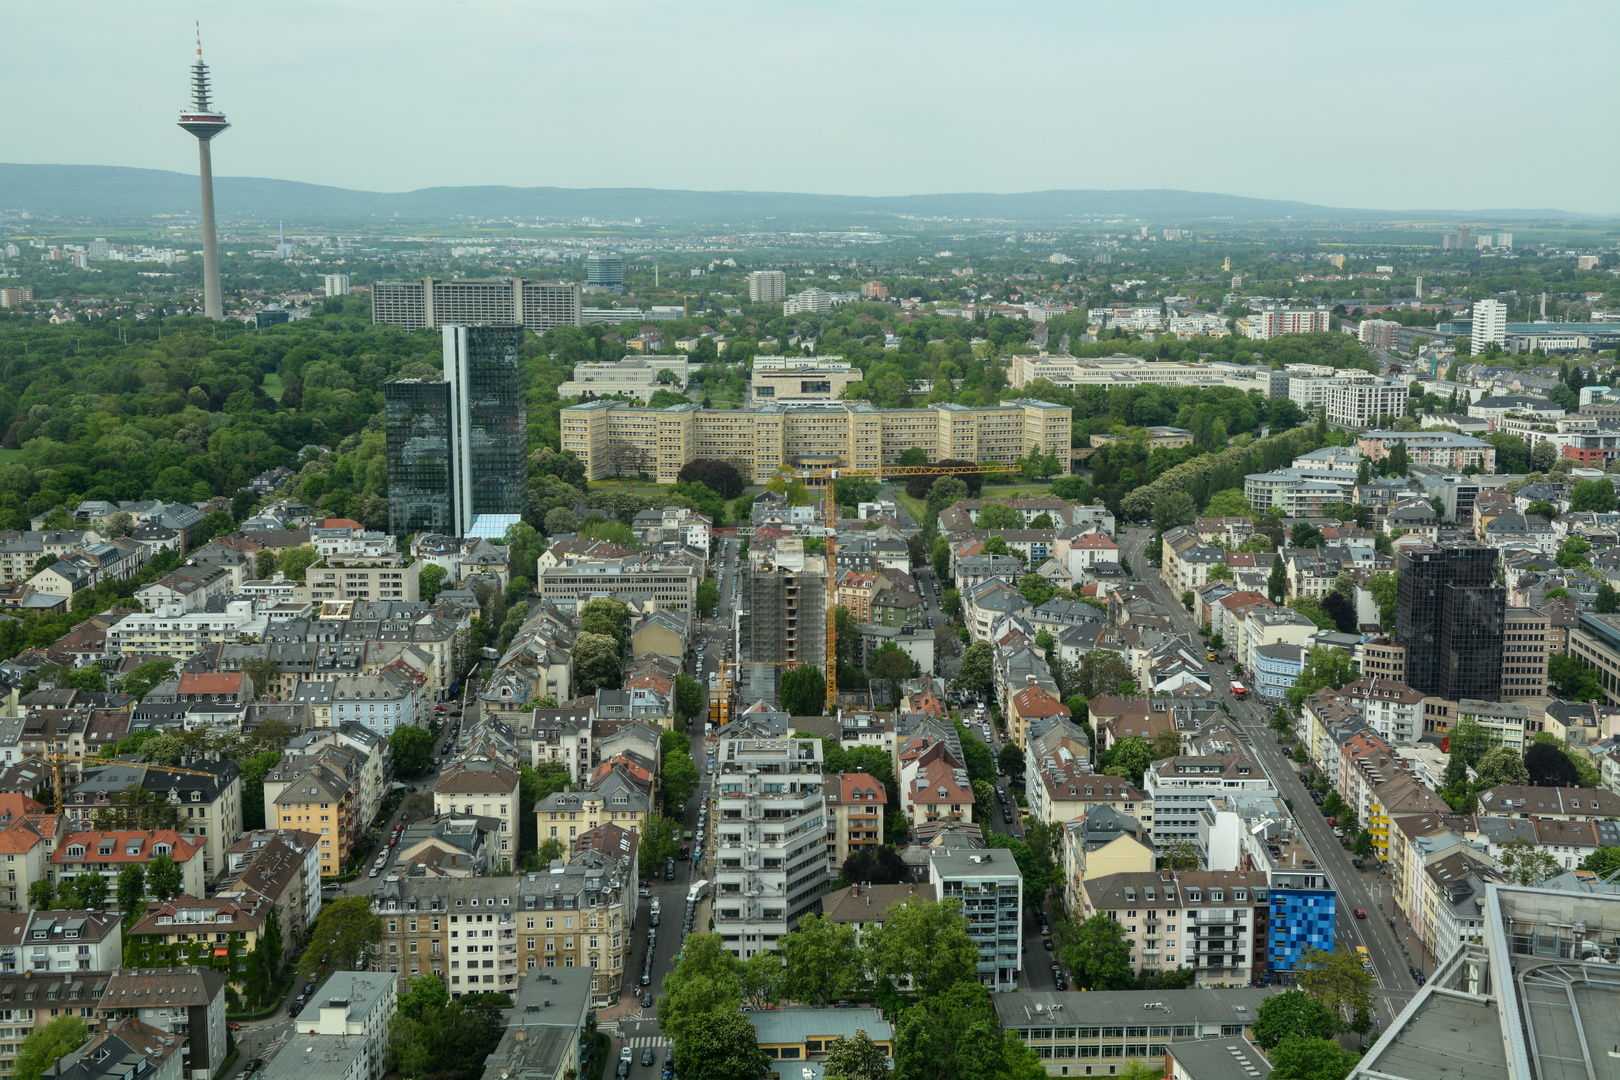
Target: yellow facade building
(616, 438)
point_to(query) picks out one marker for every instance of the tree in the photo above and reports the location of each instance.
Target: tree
(660, 840)
(1573, 552)
(822, 960)
(1290, 1015)
(1526, 864)
(430, 581)
(1130, 758)
(1501, 765)
(139, 683)
(413, 750)
(1549, 766)
(927, 941)
(708, 979)
(131, 893)
(1010, 760)
(1597, 495)
(42, 895)
(1337, 980)
(341, 939)
(976, 674)
(855, 1059)
(998, 515)
(608, 617)
(43, 1046)
(1323, 667)
(690, 698)
(597, 662)
(1097, 951)
(1571, 678)
(881, 867)
(1229, 503)
(720, 1046)
(1384, 588)
(433, 1035)
(1603, 861)
(1179, 855)
(1277, 581)
(804, 692)
(956, 1036)
(893, 665)
(1297, 1058)
(718, 476)
(761, 979)
(1608, 599)
(89, 890)
(679, 772)
(164, 878)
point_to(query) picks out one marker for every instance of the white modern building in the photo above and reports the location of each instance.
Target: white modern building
(342, 1034)
(337, 284)
(1490, 324)
(770, 830)
(767, 286)
(986, 882)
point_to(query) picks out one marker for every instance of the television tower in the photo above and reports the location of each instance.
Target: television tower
(203, 121)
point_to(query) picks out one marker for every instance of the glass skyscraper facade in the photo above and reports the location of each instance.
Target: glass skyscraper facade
(421, 487)
(605, 269)
(458, 447)
(1449, 616)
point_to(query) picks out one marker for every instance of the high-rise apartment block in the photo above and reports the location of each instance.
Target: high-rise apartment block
(783, 615)
(15, 295)
(605, 270)
(1275, 320)
(611, 437)
(1490, 324)
(767, 286)
(770, 840)
(1449, 617)
(1460, 240)
(1380, 333)
(435, 303)
(986, 882)
(458, 446)
(337, 284)
(810, 300)
(1525, 632)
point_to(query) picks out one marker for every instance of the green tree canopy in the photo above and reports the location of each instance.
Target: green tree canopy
(413, 750)
(1097, 951)
(804, 691)
(342, 938)
(1292, 1014)
(1297, 1058)
(927, 942)
(823, 962)
(43, 1045)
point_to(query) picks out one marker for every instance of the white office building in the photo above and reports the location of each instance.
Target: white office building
(1490, 324)
(337, 284)
(770, 830)
(990, 889)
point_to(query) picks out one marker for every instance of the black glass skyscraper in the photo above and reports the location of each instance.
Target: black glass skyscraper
(458, 448)
(1449, 617)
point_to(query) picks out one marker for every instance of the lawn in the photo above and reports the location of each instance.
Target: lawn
(272, 386)
(8, 456)
(918, 508)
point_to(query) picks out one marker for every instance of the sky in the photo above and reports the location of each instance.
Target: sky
(1399, 106)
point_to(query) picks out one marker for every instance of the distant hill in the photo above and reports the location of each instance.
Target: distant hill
(113, 192)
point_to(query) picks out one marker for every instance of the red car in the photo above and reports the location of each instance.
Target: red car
(1361, 913)
(392, 841)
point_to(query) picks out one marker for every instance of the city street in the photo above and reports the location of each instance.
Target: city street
(1356, 889)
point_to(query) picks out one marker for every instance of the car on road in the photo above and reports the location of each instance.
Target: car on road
(654, 919)
(1361, 913)
(1047, 944)
(623, 1070)
(647, 1000)
(253, 1065)
(646, 1056)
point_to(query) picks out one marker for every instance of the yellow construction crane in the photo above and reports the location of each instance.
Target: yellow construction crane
(829, 475)
(56, 761)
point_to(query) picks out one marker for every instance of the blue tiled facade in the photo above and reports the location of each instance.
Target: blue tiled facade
(1300, 919)
(1274, 677)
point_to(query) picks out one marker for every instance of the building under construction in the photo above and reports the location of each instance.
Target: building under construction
(782, 616)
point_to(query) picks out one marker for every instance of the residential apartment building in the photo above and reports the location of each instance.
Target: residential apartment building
(856, 803)
(990, 888)
(1213, 921)
(1276, 319)
(482, 785)
(767, 286)
(610, 436)
(346, 1023)
(1099, 843)
(670, 584)
(181, 1001)
(434, 302)
(770, 839)
(108, 852)
(1525, 632)
(782, 614)
(42, 942)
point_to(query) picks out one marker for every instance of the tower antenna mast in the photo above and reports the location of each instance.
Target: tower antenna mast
(204, 122)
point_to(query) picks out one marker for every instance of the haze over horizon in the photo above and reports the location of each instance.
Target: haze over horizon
(1393, 107)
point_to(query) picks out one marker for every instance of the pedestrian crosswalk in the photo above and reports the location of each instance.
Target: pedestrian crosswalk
(641, 1042)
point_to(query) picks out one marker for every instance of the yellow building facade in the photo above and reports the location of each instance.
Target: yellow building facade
(614, 437)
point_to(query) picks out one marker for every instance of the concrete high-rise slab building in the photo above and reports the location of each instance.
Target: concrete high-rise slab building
(767, 286)
(1490, 325)
(783, 615)
(458, 446)
(205, 122)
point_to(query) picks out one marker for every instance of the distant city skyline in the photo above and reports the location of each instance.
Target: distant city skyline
(1379, 106)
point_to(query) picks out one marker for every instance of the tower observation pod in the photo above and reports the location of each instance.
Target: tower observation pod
(202, 120)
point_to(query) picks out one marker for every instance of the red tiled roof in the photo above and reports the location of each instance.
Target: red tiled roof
(211, 682)
(853, 787)
(1033, 702)
(180, 848)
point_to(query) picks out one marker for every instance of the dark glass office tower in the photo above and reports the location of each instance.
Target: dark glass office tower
(421, 486)
(458, 447)
(1449, 616)
(489, 421)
